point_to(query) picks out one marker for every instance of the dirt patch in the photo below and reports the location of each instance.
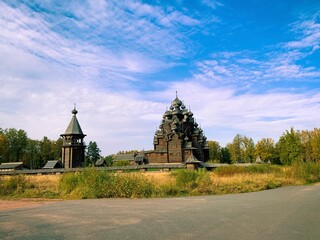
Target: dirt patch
(24, 203)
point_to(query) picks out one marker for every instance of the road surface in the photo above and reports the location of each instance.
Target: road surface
(284, 213)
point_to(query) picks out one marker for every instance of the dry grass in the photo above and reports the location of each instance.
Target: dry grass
(160, 178)
(44, 181)
(252, 177)
(162, 184)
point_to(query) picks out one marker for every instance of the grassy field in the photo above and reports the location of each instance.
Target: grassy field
(102, 184)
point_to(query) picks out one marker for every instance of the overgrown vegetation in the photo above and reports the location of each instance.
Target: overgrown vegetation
(19, 186)
(121, 163)
(103, 184)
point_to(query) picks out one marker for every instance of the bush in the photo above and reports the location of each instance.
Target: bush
(121, 163)
(261, 168)
(229, 170)
(191, 182)
(13, 185)
(92, 183)
(308, 172)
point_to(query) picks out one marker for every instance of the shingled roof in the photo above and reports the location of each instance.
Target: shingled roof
(11, 165)
(53, 164)
(74, 126)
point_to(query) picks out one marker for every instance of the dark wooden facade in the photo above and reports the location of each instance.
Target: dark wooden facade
(73, 147)
(178, 137)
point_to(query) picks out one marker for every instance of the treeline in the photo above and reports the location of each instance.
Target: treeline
(292, 147)
(15, 146)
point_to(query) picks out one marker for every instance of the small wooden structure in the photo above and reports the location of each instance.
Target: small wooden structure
(11, 166)
(51, 164)
(133, 158)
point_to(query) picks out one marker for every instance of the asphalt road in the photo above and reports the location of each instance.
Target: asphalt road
(285, 213)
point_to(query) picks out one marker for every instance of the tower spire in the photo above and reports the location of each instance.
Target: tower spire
(74, 111)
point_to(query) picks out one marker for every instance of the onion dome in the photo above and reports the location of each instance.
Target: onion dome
(166, 114)
(177, 102)
(176, 111)
(74, 126)
(184, 110)
(74, 111)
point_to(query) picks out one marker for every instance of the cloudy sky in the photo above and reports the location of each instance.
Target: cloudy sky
(250, 67)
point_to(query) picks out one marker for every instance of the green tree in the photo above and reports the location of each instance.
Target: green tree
(248, 149)
(241, 149)
(265, 149)
(33, 154)
(46, 149)
(289, 147)
(214, 151)
(225, 155)
(315, 145)
(15, 143)
(57, 148)
(109, 160)
(235, 149)
(2, 145)
(92, 153)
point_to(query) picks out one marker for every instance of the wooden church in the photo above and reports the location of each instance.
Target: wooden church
(179, 138)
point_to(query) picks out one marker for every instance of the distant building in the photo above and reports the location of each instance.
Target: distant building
(73, 147)
(11, 166)
(51, 164)
(133, 158)
(178, 137)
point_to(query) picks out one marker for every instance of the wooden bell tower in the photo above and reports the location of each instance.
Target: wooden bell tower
(73, 147)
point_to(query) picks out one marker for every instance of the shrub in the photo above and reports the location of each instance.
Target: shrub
(13, 185)
(308, 172)
(121, 163)
(261, 168)
(191, 182)
(92, 183)
(229, 170)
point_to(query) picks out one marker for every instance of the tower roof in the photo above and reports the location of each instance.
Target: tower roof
(192, 159)
(74, 126)
(176, 102)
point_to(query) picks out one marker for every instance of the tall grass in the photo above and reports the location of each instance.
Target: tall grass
(29, 186)
(234, 169)
(102, 184)
(308, 172)
(13, 185)
(92, 183)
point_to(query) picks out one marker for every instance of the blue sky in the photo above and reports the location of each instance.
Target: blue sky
(247, 67)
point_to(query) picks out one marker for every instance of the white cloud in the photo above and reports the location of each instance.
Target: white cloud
(31, 32)
(223, 113)
(308, 32)
(212, 3)
(107, 46)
